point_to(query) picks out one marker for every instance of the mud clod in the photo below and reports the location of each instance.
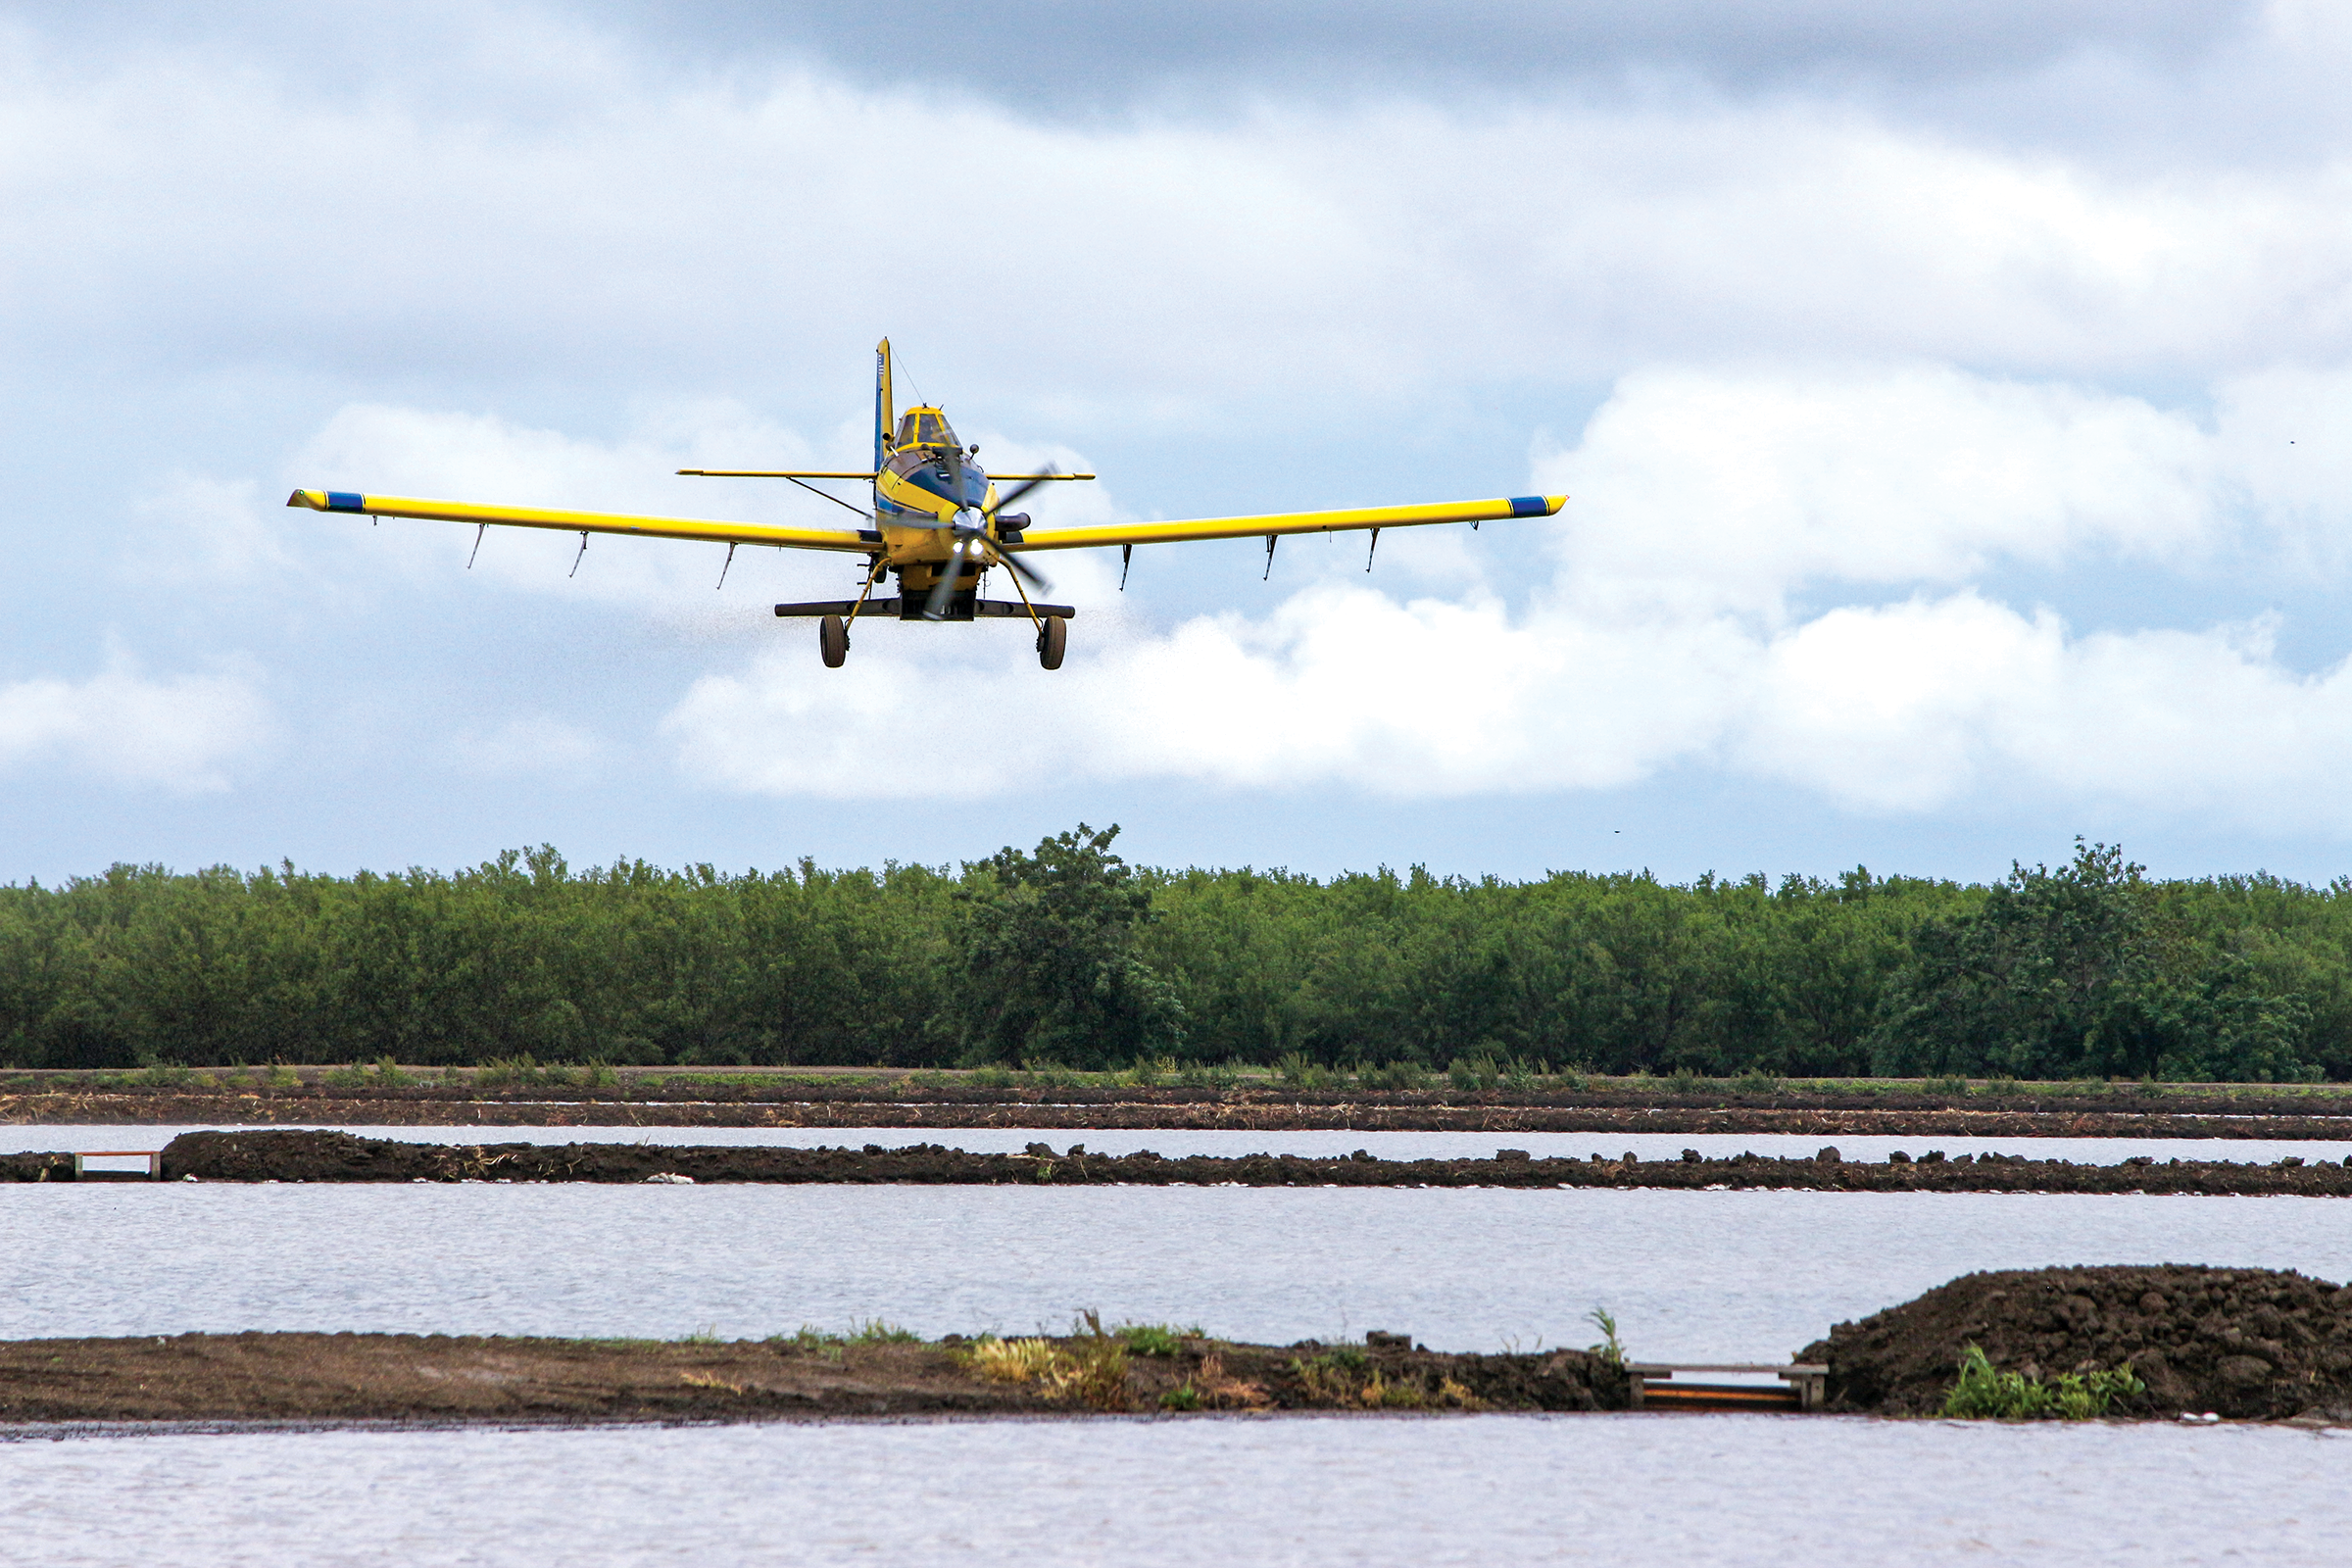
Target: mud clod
(2247, 1343)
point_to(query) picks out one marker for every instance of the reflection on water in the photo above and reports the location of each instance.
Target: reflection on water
(1815, 1492)
(16, 1138)
(1713, 1275)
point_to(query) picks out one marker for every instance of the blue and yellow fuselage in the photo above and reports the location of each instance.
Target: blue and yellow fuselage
(924, 482)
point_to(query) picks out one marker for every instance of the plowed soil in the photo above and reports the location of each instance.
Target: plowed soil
(200, 1378)
(2244, 1344)
(258, 1156)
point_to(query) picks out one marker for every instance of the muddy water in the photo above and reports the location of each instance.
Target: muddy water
(1685, 1489)
(19, 1138)
(1746, 1275)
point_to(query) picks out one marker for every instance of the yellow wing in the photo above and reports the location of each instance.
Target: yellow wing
(1166, 533)
(779, 473)
(732, 534)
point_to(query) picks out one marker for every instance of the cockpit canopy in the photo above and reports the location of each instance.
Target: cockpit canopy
(927, 427)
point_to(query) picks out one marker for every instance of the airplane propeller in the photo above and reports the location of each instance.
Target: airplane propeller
(971, 542)
(979, 541)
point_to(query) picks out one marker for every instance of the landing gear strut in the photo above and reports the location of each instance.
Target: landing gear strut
(1052, 636)
(833, 641)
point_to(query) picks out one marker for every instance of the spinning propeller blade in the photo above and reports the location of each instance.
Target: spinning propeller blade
(973, 543)
(950, 572)
(1018, 568)
(1020, 490)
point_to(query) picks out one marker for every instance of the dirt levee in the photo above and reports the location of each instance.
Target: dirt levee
(651, 1099)
(271, 1155)
(405, 1377)
(2246, 1344)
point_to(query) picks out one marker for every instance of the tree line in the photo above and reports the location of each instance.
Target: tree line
(1069, 954)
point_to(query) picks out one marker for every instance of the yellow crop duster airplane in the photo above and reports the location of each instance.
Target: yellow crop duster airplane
(937, 521)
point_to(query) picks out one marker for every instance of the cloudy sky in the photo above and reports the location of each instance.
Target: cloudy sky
(1954, 398)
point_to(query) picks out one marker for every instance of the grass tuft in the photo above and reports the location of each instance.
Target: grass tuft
(1094, 1374)
(1982, 1394)
(1610, 1348)
(1155, 1339)
(874, 1331)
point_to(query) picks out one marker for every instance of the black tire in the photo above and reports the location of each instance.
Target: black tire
(833, 641)
(1052, 638)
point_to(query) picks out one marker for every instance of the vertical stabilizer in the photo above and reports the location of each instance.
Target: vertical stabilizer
(884, 417)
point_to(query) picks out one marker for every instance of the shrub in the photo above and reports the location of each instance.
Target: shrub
(1396, 1075)
(1012, 1360)
(874, 1331)
(1469, 1074)
(1521, 1076)
(1154, 1339)
(1980, 1393)
(1300, 1071)
(1203, 1075)
(1094, 1373)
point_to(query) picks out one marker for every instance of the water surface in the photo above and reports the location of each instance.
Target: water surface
(1732, 1275)
(1804, 1492)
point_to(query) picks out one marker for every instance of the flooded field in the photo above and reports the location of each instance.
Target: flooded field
(1737, 1275)
(1714, 1275)
(1814, 1491)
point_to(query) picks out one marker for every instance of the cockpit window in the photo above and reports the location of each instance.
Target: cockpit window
(924, 427)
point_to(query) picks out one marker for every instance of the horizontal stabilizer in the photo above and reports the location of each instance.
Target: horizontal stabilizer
(778, 473)
(844, 473)
(984, 609)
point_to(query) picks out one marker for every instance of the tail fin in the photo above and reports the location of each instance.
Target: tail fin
(884, 417)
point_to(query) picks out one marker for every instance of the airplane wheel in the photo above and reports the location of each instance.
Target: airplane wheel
(833, 641)
(1051, 638)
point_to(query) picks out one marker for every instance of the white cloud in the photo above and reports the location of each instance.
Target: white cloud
(635, 227)
(1700, 490)
(180, 733)
(1903, 708)
(1913, 707)
(1671, 640)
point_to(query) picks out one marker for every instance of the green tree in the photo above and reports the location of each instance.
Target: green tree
(1049, 968)
(2029, 983)
(2079, 972)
